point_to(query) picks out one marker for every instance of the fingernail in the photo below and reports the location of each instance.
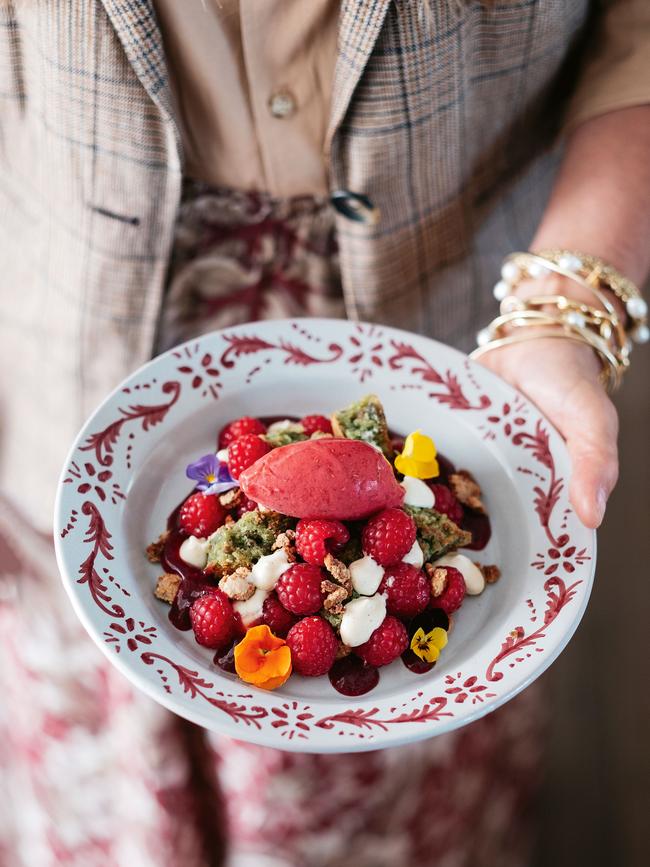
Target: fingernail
(601, 503)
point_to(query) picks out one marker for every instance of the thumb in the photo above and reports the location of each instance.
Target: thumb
(590, 428)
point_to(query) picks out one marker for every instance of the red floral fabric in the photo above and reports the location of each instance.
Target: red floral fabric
(241, 256)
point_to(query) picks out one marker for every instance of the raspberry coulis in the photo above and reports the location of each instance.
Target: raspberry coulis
(480, 528)
(351, 676)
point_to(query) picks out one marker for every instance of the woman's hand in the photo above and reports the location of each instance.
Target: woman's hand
(561, 378)
(600, 204)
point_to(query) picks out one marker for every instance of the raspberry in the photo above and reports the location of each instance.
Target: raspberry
(447, 503)
(389, 640)
(246, 506)
(298, 588)
(388, 536)
(276, 616)
(244, 451)
(315, 539)
(406, 589)
(313, 646)
(452, 596)
(313, 423)
(213, 620)
(201, 514)
(238, 428)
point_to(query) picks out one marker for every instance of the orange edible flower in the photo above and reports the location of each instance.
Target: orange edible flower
(263, 659)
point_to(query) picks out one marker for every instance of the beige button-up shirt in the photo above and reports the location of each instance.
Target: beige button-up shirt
(252, 81)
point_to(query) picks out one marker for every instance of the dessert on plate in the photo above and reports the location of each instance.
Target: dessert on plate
(323, 546)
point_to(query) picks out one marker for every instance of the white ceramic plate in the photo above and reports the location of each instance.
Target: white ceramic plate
(126, 472)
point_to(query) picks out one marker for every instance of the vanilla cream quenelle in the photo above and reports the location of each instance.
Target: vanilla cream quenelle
(333, 478)
(268, 569)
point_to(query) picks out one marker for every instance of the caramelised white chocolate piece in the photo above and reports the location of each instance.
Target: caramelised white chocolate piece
(194, 552)
(360, 619)
(414, 556)
(474, 580)
(366, 575)
(418, 493)
(266, 572)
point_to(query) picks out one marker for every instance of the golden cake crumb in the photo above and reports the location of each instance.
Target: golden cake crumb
(335, 596)
(467, 490)
(438, 577)
(339, 572)
(286, 542)
(236, 585)
(167, 587)
(491, 573)
(155, 550)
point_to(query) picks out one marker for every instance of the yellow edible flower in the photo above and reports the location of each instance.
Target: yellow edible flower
(428, 645)
(418, 458)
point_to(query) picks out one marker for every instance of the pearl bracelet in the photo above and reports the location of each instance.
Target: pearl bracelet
(588, 271)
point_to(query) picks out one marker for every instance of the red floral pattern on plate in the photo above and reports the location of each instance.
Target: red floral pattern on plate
(220, 364)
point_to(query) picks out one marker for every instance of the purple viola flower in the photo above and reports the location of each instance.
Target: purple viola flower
(211, 475)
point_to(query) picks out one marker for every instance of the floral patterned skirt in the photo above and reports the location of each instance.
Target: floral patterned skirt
(94, 774)
(239, 257)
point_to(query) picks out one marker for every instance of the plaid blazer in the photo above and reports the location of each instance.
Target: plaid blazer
(444, 124)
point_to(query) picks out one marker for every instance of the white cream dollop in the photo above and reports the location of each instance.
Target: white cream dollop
(360, 619)
(415, 556)
(417, 493)
(250, 609)
(267, 570)
(284, 424)
(222, 456)
(194, 552)
(366, 575)
(474, 580)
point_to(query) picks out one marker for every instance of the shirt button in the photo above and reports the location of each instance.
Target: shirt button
(355, 206)
(282, 104)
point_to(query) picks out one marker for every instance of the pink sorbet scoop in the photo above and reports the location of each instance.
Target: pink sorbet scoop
(323, 478)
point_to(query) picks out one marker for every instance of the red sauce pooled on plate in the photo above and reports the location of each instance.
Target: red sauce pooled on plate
(351, 676)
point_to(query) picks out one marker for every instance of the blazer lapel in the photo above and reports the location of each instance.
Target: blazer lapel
(137, 29)
(360, 22)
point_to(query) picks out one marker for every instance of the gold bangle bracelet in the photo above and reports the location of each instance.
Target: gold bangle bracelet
(587, 331)
(609, 378)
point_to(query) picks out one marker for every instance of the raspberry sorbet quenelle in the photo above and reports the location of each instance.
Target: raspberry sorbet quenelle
(322, 546)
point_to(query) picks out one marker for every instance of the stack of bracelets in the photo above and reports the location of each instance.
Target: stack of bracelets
(559, 316)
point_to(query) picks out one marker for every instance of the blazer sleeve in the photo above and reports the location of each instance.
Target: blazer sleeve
(616, 69)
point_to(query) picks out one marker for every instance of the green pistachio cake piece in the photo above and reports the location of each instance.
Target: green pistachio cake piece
(245, 541)
(285, 436)
(437, 534)
(364, 420)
